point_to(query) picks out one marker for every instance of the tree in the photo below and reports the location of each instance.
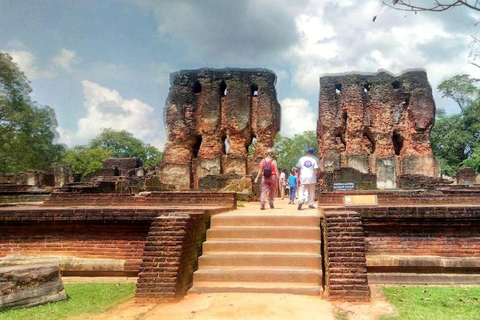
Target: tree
(26, 137)
(124, 145)
(433, 6)
(455, 139)
(474, 160)
(449, 139)
(461, 88)
(289, 150)
(84, 159)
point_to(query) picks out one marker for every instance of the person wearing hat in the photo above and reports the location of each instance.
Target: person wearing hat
(269, 171)
(308, 170)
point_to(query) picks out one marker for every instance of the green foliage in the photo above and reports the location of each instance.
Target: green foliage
(455, 139)
(83, 299)
(84, 160)
(289, 150)
(474, 160)
(26, 137)
(110, 144)
(422, 302)
(461, 88)
(124, 145)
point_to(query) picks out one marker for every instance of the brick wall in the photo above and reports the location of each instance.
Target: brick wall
(82, 239)
(405, 197)
(171, 254)
(345, 262)
(174, 198)
(448, 231)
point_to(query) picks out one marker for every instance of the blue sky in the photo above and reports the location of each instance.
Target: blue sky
(107, 63)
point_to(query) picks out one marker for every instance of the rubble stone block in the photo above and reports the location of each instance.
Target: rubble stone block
(30, 285)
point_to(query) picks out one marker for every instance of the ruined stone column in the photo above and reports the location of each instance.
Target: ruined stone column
(377, 123)
(212, 117)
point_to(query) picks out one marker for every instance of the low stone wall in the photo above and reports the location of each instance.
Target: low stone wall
(159, 243)
(433, 244)
(173, 198)
(406, 197)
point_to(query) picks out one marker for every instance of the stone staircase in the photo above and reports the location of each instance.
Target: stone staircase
(261, 252)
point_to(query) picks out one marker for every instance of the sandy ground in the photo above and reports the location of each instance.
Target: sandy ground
(261, 306)
(248, 306)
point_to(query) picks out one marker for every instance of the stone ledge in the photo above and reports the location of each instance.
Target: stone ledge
(422, 261)
(423, 278)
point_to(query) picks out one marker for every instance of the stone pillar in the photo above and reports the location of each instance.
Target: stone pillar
(377, 123)
(212, 117)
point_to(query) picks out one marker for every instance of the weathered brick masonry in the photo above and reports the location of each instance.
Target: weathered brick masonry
(171, 254)
(406, 243)
(345, 263)
(175, 198)
(170, 226)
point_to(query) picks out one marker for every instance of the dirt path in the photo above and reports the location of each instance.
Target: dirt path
(241, 306)
(261, 306)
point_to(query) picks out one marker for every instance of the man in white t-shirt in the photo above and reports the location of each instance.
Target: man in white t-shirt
(308, 170)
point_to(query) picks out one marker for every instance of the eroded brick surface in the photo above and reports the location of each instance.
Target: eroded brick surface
(345, 262)
(212, 117)
(377, 124)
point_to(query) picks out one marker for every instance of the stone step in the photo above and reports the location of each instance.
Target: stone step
(290, 220)
(256, 287)
(247, 274)
(266, 260)
(288, 246)
(263, 232)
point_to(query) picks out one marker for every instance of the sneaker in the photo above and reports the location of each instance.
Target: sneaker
(289, 202)
(272, 207)
(299, 206)
(311, 207)
(262, 207)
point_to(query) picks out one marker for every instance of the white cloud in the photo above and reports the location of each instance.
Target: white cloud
(297, 117)
(26, 62)
(65, 60)
(106, 108)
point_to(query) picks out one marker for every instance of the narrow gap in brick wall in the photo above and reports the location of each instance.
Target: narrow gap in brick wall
(223, 89)
(368, 141)
(197, 87)
(254, 90)
(338, 88)
(367, 86)
(251, 146)
(196, 147)
(397, 140)
(225, 145)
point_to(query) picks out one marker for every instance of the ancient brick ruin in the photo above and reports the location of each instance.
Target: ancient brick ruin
(377, 124)
(213, 116)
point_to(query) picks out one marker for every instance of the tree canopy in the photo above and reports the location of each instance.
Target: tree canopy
(26, 136)
(110, 144)
(289, 150)
(455, 139)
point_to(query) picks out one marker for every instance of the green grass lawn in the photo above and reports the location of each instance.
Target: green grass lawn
(91, 298)
(424, 302)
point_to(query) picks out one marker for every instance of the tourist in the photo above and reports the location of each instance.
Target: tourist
(292, 183)
(308, 170)
(269, 171)
(282, 183)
